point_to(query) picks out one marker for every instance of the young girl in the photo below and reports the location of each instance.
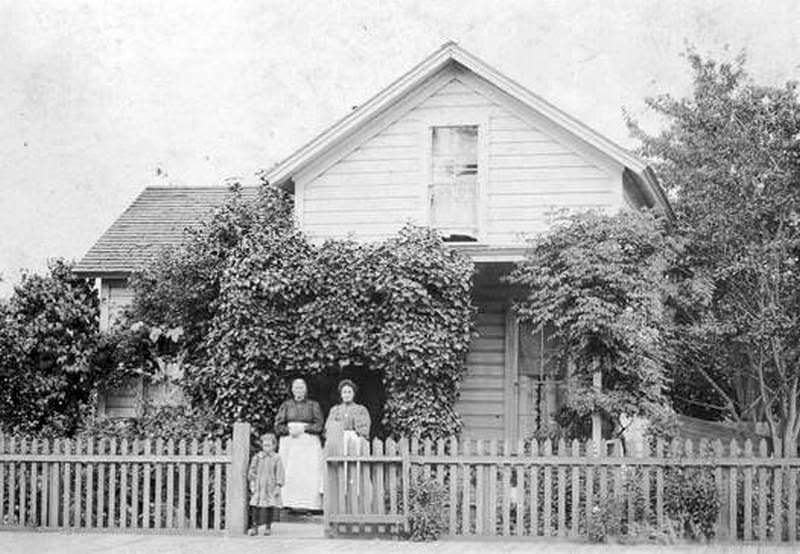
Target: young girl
(266, 477)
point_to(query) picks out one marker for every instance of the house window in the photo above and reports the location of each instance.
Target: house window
(538, 353)
(453, 190)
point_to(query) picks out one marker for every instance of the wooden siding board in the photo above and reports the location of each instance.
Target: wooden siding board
(528, 173)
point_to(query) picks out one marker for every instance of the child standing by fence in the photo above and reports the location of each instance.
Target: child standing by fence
(265, 477)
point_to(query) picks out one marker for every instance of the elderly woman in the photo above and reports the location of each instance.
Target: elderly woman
(298, 423)
(349, 417)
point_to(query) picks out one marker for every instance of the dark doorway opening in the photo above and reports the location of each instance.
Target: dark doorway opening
(324, 388)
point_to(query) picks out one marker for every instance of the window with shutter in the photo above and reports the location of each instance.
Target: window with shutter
(453, 190)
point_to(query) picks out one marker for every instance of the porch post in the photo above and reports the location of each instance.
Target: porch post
(597, 420)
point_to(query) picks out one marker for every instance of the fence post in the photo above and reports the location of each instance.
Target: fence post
(236, 509)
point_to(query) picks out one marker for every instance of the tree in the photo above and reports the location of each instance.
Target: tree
(48, 338)
(729, 156)
(599, 282)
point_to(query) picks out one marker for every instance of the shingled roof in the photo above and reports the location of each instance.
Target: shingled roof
(155, 220)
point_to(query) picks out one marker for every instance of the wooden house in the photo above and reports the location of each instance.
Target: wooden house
(452, 144)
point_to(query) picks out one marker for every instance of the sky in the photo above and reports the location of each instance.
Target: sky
(95, 97)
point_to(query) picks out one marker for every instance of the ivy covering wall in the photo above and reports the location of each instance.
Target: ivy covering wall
(256, 304)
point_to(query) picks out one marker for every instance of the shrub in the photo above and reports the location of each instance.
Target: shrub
(691, 500)
(426, 511)
(180, 422)
(48, 338)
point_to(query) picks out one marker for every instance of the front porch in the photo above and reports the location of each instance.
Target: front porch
(513, 388)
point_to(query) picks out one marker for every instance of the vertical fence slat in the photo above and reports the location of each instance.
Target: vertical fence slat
(391, 450)
(55, 492)
(65, 506)
(645, 485)
(440, 467)
(170, 503)
(414, 452)
(193, 487)
(123, 488)
(89, 467)
(380, 477)
(181, 502)
(101, 486)
(135, 467)
(762, 493)
(777, 495)
(506, 472)
(748, 492)
(534, 492)
(480, 491)
(548, 492)
(44, 494)
(792, 515)
(217, 488)
(660, 486)
(520, 491)
(159, 483)
(428, 449)
(23, 473)
(366, 480)
(405, 480)
(722, 523)
(491, 525)
(146, 489)
(33, 470)
(78, 490)
(205, 486)
(733, 485)
(589, 485)
(453, 487)
(465, 528)
(112, 486)
(2, 481)
(562, 490)
(576, 491)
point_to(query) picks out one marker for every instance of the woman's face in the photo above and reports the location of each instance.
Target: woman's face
(299, 389)
(347, 393)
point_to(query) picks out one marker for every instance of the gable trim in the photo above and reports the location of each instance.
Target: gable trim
(447, 53)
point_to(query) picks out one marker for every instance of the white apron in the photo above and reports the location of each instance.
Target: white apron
(302, 463)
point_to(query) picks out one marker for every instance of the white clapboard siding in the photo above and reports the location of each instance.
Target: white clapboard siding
(379, 186)
(115, 296)
(481, 402)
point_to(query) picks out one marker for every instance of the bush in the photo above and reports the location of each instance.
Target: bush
(181, 422)
(426, 511)
(48, 340)
(692, 501)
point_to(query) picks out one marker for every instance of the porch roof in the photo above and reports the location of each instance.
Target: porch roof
(157, 219)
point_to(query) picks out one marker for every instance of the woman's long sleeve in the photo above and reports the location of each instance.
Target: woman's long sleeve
(362, 421)
(315, 425)
(281, 419)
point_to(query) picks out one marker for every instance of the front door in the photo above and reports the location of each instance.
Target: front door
(534, 383)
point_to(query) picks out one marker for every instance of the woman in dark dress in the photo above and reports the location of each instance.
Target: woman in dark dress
(298, 423)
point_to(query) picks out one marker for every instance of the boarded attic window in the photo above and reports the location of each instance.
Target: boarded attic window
(453, 191)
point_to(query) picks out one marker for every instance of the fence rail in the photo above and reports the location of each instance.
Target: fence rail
(141, 484)
(535, 489)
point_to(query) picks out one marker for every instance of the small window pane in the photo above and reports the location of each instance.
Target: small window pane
(453, 194)
(538, 353)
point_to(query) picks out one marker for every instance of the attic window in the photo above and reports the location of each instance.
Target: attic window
(453, 190)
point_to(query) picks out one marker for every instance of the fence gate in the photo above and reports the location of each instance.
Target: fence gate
(366, 486)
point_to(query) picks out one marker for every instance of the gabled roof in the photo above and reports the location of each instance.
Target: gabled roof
(448, 53)
(156, 219)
